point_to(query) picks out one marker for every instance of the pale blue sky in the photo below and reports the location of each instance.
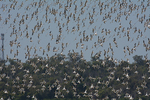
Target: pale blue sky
(73, 37)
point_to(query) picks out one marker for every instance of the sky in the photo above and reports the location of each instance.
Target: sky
(70, 34)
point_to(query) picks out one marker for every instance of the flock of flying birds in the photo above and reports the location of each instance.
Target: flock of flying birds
(114, 29)
(43, 28)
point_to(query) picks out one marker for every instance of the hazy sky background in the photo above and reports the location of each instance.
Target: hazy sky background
(67, 36)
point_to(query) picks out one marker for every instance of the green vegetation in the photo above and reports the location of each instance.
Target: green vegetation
(72, 77)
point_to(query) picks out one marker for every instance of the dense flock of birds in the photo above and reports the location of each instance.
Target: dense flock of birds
(108, 29)
(43, 28)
